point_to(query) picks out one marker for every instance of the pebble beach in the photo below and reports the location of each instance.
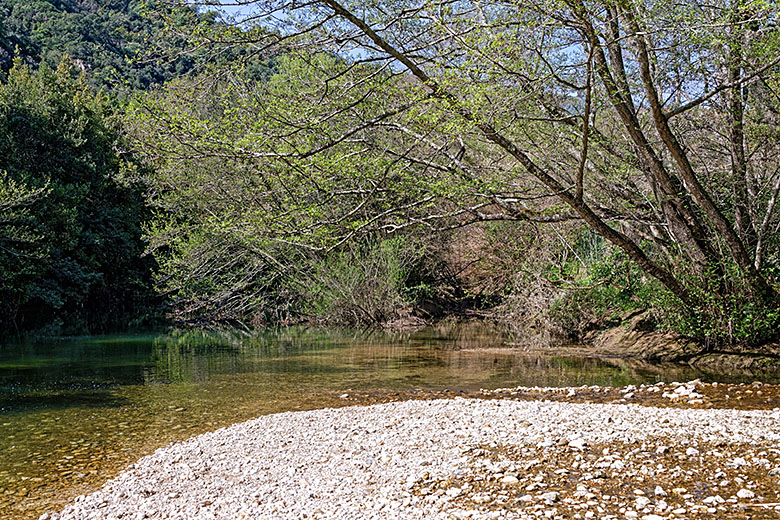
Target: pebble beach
(462, 458)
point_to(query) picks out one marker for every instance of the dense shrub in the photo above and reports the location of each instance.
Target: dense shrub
(70, 252)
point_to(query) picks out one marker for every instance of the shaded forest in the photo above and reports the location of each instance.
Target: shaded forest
(558, 168)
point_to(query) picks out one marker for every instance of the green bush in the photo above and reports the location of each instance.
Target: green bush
(70, 220)
(724, 316)
(599, 293)
(609, 286)
(364, 284)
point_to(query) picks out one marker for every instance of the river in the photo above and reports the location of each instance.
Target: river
(73, 412)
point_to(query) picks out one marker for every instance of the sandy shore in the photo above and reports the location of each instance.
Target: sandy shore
(460, 458)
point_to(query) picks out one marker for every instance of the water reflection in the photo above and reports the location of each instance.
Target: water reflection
(72, 412)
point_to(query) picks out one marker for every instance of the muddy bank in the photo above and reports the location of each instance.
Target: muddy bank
(636, 339)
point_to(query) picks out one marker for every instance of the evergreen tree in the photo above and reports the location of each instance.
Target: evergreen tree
(71, 250)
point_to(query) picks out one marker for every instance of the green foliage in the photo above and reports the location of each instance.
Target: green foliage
(267, 179)
(603, 287)
(17, 233)
(113, 41)
(213, 276)
(598, 286)
(245, 224)
(366, 284)
(71, 248)
(723, 317)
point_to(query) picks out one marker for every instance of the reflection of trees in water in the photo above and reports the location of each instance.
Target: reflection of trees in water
(542, 370)
(72, 364)
(455, 335)
(194, 355)
(458, 351)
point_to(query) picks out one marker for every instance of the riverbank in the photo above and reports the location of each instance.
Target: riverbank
(466, 458)
(75, 414)
(636, 338)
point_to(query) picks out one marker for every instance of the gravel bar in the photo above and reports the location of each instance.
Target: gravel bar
(459, 458)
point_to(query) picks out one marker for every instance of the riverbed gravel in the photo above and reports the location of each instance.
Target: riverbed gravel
(461, 458)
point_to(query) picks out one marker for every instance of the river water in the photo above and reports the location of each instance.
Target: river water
(73, 412)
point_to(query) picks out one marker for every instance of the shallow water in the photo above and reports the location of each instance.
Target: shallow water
(74, 412)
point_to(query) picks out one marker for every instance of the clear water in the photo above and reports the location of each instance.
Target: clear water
(74, 412)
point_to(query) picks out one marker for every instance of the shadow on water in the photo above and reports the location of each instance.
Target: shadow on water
(11, 403)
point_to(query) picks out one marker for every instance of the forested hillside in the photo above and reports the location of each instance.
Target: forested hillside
(73, 202)
(71, 213)
(103, 38)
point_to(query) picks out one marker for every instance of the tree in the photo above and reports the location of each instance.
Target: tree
(608, 113)
(70, 238)
(230, 229)
(20, 245)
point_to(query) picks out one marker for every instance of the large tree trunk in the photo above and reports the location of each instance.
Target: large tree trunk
(739, 255)
(684, 225)
(614, 236)
(739, 169)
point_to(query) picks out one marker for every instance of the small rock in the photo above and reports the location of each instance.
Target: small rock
(552, 496)
(745, 493)
(482, 498)
(642, 502)
(509, 479)
(691, 452)
(659, 491)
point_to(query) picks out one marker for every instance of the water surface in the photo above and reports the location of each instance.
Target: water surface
(73, 412)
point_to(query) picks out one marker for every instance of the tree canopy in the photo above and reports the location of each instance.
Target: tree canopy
(70, 233)
(121, 44)
(653, 125)
(303, 153)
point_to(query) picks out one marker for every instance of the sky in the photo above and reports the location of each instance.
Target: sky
(232, 10)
